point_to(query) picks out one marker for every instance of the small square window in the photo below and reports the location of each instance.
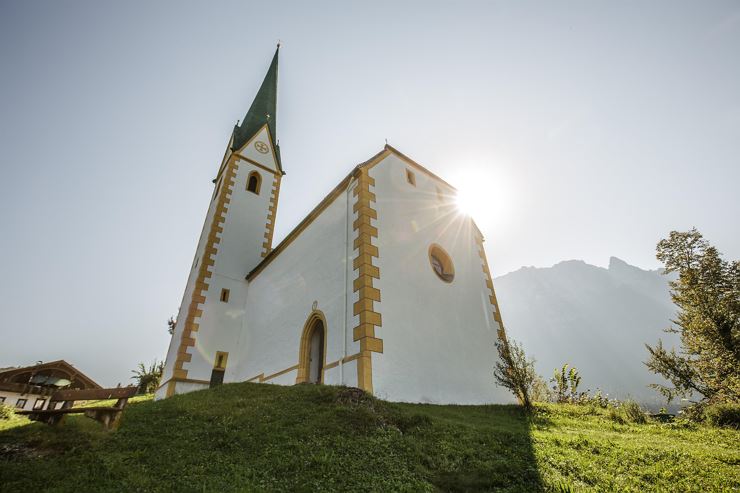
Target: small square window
(20, 403)
(39, 404)
(2, 399)
(221, 358)
(410, 177)
(225, 295)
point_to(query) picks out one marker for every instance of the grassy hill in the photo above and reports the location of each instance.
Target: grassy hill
(251, 437)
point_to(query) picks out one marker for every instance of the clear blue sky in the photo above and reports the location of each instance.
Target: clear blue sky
(598, 128)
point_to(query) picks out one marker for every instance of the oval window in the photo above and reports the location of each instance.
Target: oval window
(441, 263)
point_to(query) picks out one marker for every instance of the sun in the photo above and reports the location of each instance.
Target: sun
(483, 197)
(468, 202)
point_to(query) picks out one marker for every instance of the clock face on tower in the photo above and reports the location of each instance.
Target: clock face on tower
(261, 147)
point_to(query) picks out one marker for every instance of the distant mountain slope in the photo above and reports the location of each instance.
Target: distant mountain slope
(594, 318)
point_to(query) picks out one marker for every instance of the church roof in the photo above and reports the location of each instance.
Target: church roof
(263, 111)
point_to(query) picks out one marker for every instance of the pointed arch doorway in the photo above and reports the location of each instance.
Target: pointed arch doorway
(313, 350)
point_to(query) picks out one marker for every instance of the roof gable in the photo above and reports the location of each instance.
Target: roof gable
(59, 366)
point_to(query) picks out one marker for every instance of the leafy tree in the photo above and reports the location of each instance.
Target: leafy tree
(147, 379)
(171, 322)
(514, 371)
(707, 294)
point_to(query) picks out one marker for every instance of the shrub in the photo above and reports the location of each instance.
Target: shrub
(693, 413)
(598, 399)
(615, 415)
(633, 412)
(540, 391)
(627, 412)
(515, 371)
(565, 385)
(723, 415)
(147, 379)
(6, 412)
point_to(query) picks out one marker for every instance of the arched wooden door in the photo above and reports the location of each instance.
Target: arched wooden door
(316, 352)
(313, 349)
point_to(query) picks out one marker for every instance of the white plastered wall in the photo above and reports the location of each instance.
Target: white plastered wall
(438, 338)
(313, 270)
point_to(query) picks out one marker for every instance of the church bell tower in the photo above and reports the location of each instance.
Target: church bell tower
(236, 236)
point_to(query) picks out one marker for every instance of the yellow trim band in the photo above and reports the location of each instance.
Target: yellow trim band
(365, 307)
(271, 215)
(489, 284)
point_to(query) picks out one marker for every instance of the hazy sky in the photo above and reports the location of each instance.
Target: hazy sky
(596, 127)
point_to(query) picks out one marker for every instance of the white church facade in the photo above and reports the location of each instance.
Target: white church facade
(384, 286)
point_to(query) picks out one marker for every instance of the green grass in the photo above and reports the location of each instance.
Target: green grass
(251, 437)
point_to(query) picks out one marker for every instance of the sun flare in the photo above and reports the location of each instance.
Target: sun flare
(482, 197)
(467, 203)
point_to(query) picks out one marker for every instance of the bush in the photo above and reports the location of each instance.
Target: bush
(723, 415)
(566, 383)
(599, 400)
(693, 413)
(615, 415)
(147, 379)
(627, 412)
(6, 412)
(540, 390)
(633, 412)
(515, 371)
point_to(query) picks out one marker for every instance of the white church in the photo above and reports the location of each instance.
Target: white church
(384, 285)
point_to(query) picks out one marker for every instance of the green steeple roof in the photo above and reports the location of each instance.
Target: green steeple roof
(263, 110)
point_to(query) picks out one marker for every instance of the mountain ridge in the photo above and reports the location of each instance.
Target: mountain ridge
(595, 318)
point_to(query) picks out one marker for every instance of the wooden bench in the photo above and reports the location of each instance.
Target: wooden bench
(109, 416)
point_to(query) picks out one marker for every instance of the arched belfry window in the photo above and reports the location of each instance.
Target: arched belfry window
(254, 180)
